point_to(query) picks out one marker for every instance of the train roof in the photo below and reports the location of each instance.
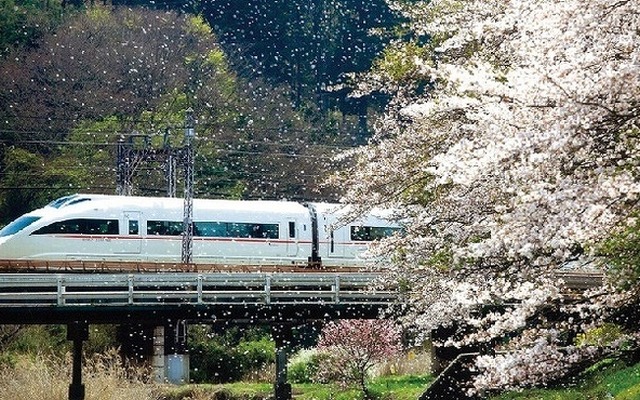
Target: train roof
(158, 205)
(91, 201)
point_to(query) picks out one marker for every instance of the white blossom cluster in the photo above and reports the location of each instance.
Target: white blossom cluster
(542, 362)
(523, 155)
(537, 359)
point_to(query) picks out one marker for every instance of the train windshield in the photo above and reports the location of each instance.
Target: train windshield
(18, 225)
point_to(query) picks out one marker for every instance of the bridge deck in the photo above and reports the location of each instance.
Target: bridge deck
(39, 297)
(101, 291)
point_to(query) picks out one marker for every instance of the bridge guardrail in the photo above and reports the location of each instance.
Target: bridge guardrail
(38, 290)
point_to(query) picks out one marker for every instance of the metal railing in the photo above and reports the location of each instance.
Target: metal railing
(60, 290)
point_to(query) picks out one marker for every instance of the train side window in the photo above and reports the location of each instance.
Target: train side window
(81, 226)
(164, 228)
(70, 226)
(99, 227)
(371, 233)
(250, 230)
(240, 230)
(210, 229)
(237, 230)
(267, 231)
(133, 227)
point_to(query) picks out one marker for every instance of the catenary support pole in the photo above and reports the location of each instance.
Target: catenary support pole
(77, 332)
(188, 159)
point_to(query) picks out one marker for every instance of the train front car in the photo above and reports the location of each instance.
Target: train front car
(226, 232)
(70, 228)
(149, 229)
(26, 238)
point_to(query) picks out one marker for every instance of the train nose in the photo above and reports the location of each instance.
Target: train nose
(7, 248)
(3, 248)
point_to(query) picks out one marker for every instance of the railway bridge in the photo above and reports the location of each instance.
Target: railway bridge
(79, 295)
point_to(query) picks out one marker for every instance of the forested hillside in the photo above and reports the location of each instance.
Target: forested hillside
(262, 78)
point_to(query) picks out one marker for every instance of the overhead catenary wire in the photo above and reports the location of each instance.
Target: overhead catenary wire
(217, 140)
(227, 174)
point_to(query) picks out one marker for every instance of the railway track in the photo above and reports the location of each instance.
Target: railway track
(79, 266)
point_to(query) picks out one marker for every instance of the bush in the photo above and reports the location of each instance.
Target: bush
(604, 335)
(303, 366)
(53, 339)
(40, 339)
(229, 357)
(255, 356)
(213, 362)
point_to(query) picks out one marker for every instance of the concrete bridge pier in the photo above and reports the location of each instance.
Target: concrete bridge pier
(157, 359)
(176, 352)
(163, 345)
(77, 332)
(282, 335)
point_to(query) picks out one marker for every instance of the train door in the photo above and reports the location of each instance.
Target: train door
(292, 237)
(131, 233)
(335, 237)
(337, 241)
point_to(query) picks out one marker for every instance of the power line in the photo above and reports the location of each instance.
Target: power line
(202, 139)
(227, 151)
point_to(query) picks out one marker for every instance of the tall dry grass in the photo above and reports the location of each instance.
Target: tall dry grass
(47, 377)
(413, 362)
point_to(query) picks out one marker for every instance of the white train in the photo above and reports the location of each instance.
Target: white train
(226, 232)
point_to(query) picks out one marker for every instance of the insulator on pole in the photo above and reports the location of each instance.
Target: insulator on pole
(120, 168)
(170, 174)
(123, 169)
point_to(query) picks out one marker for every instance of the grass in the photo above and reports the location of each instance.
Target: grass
(235, 391)
(47, 377)
(38, 377)
(610, 379)
(386, 388)
(401, 387)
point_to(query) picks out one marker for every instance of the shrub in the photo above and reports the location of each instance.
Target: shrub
(231, 356)
(214, 363)
(604, 335)
(303, 366)
(255, 356)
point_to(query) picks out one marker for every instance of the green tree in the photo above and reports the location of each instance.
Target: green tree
(110, 74)
(622, 254)
(24, 22)
(27, 184)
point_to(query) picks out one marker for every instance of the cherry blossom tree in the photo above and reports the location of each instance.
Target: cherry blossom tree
(353, 347)
(509, 149)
